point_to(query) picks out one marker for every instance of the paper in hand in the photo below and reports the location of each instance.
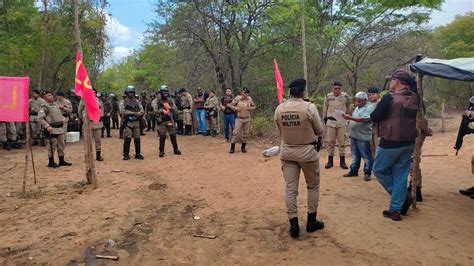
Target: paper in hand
(338, 115)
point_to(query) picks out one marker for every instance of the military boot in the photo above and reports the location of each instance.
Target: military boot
(51, 163)
(342, 162)
(313, 224)
(242, 148)
(6, 146)
(42, 142)
(419, 197)
(294, 227)
(98, 157)
(126, 148)
(162, 145)
(330, 163)
(138, 149)
(62, 162)
(232, 148)
(190, 129)
(180, 127)
(174, 142)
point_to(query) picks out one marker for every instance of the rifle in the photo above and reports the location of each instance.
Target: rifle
(463, 130)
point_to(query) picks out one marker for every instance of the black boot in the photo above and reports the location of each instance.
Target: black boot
(42, 142)
(62, 162)
(242, 148)
(313, 224)
(35, 142)
(126, 148)
(174, 142)
(419, 198)
(214, 133)
(232, 148)
(294, 228)
(162, 145)
(6, 146)
(189, 129)
(180, 127)
(98, 157)
(51, 163)
(342, 162)
(330, 163)
(138, 149)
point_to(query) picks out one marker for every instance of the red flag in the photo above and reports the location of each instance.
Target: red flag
(83, 88)
(279, 82)
(14, 99)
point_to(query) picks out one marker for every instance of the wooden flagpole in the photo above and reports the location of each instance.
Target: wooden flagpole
(89, 159)
(27, 158)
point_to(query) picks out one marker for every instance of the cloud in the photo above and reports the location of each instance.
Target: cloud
(449, 9)
(123, 40)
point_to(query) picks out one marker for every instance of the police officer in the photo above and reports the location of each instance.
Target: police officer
(211, 105)
(66, 109)
(164, 107)
(131, 111)
(115, 111)
(107, 110)
(180, 112)
(9, 136)
(187, 105)
(242, 105)
(51, 119)
(96, 127)
(34, 105)
(299, 125)
(336, 130)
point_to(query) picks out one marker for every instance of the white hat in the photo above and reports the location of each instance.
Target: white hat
(361, 95)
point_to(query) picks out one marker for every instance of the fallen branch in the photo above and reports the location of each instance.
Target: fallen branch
(106, 257)
(434, 155)
(9, 169)
(205, 236)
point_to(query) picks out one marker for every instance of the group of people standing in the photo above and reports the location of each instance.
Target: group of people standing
(393, 119)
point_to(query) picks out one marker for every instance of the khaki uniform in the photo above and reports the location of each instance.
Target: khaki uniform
(211, 112)
(96, 128)
(243, 107)
(187, 105)
(34, 106)
(336, 130)
(8, 131)
(165, 123)
(50, 116)
(131, 110)
(66, 109)
(299, 125)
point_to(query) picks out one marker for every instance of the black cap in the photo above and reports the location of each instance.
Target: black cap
(60, 93)
(244, 89)
(37, 91)
(44, 92)
(402, 75)
(336, 83)
(373, 89)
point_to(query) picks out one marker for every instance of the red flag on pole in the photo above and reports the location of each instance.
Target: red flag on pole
(279, 82)
(14, 99)
(83, 88)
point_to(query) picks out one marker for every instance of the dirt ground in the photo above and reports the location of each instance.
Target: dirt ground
(147, 212)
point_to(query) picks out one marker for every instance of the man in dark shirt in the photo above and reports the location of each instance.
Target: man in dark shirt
(395, 119)
(199, 101)
(229, 114)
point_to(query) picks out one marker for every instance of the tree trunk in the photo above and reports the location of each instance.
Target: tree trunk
(303, 45)
(417, 175)
(89, 159)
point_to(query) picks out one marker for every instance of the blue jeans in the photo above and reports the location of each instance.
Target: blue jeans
(201, 119)
(361, 150)
(391, 167)
(229, 124)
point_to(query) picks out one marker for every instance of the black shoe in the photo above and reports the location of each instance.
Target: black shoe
(394, 215)
(109, 136)
(139, 156)
(174, 142)
(7, 146)
(367, 177)
(294, 228)
(330, 163)
(342, 162)
(350, 174)
(35, 142)
(177, 152)
(232, 148)
(62, 162)
(126, 148)
(162, 154)
(419, 197)
(162, 146)
(126, 157)
(138, 148)
(313, 224)
(51, 163)
(406, 206)
(242, 148)
(467, 192)
(98, 157)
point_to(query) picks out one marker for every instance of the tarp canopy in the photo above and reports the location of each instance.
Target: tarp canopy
(455, 69)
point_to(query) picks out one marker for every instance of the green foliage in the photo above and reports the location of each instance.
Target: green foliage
(262, 126)
(456, 38)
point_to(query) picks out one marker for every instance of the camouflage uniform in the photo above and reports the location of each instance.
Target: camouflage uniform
(131, 111)
(34, 106)
(211, 113)
(165, 123)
